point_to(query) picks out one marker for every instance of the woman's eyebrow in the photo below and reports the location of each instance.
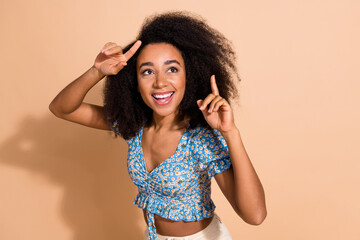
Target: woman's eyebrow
(167, 62)
(171, 61)
(146, 64)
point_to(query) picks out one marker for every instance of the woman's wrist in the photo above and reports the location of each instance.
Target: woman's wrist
(234, 132)
(96, 73)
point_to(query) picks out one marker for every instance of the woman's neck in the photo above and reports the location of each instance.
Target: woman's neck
(170, 122)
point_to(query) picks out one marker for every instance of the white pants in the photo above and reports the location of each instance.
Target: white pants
(216, 230)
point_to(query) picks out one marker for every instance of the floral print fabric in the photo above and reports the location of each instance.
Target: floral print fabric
(179, 187)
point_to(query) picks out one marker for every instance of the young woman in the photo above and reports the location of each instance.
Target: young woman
(167, 94)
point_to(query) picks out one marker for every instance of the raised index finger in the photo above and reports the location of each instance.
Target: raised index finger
(132, 50)
(214, 87)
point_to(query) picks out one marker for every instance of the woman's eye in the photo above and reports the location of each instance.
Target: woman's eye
(147, 72)
(173, 70)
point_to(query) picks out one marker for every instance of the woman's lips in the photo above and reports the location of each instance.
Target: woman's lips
(163, 98)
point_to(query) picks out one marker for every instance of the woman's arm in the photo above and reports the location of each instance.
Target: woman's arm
(240, 184)
(69, 105)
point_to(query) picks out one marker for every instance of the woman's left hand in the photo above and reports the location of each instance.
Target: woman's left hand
(216, 110)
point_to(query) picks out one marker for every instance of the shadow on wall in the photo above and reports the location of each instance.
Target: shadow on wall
(91, 167)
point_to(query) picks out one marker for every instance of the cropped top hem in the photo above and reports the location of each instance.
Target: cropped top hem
(175, 212)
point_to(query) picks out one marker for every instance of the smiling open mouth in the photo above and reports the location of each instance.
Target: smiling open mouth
(163, 98)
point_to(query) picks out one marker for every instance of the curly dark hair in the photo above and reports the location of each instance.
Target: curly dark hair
(205, 52)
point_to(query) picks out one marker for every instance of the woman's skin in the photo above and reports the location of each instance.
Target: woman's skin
(161, 69)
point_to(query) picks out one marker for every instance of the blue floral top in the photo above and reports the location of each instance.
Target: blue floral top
(179, 187)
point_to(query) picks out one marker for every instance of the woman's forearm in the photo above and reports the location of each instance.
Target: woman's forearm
(71, 97)
(249, 193)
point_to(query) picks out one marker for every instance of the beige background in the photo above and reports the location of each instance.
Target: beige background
(298, 114)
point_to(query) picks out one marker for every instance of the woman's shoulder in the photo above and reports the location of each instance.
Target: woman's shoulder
(207, 137)
(203, 133)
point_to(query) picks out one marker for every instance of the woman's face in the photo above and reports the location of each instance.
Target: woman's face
(161, 78)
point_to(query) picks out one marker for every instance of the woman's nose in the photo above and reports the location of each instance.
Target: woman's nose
(160, 81)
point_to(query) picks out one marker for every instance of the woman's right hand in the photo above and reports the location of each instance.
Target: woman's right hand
(111, 58)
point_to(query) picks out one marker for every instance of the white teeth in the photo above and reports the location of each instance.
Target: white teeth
(163, 95)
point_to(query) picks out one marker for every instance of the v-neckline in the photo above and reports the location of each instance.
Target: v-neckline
(143, 161)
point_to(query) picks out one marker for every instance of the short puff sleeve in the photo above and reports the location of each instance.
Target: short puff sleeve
(211, 151)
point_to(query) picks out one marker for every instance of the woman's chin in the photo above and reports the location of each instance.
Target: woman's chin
(162, 113)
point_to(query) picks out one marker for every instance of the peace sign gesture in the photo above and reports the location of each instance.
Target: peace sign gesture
(111, 58)
(216, 110)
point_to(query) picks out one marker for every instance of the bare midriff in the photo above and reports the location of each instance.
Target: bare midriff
(169, 227)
